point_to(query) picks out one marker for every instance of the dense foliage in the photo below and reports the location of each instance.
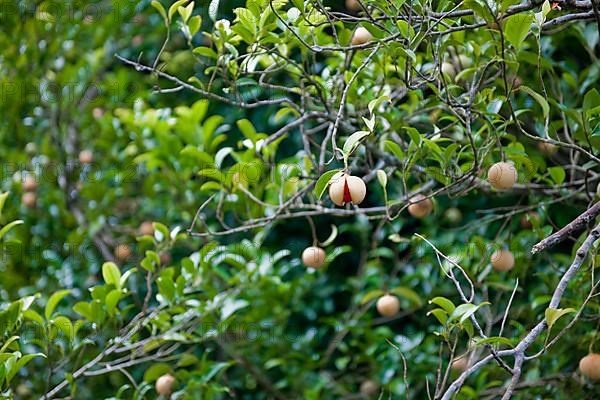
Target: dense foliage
(165, 166)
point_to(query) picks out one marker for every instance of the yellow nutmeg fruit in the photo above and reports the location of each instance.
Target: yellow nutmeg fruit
(388, 305)
(460, 364)
(146, 228)
(313, 257)
(547, 148)
(502, 260)
(421, 206)
(164, 385)
(361, 36)
(347, 189)
(86, 157)
(122, 252)
(353, 5)
(502, 175)
(590, 366)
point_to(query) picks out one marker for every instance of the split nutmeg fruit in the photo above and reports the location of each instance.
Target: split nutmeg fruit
(347, 189)
(313, 257)
(502, 175)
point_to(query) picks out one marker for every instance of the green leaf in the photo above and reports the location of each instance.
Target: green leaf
(157, 370)
(323, 181)
(354, 140)
(213, 9)
(373, 104)
(373, 294)
(53, 302)
(174, 7)
(408, 294)
(64, 325)
(395, 149)
(495, 340)
(538, 97)
(440, 315)
(516, 28)
(464, 311)
(111, 274)
(3, 198)
(382, 178)
(443, 302)
(112, 299)
(558, 174)
(247, 129)
(84, 309)
(554, 314)
(6, 228)
(156, 4)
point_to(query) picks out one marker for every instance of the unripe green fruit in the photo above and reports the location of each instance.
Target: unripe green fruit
(313, 257)
(29, 183)
(122, 252)
(502, 260)
(369, 388)
(502, 175)
(590, 366)
(347, 189)
(146, 228)
(420, 207)
(86, 157)
(29, 199)
(164, 385)
(361, 36)
(353, 5)
(388, 305)
(453, 215)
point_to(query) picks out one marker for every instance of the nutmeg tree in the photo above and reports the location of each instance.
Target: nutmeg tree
(433, 164)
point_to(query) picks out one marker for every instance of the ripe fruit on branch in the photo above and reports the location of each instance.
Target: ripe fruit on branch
(502, 175)
(122, 252)
(547, 148)
(29, 199)
(502, 260)
(460, 364)
(30, 183)
(361, 36)
(369, 388)
(313, 257)
(164, 385)
(347, 189)
(353, 5)
(388, 305)
(448, 70)
(421, 206)
(86, 157)
(526, 219)
(590, 366)
(146, 228)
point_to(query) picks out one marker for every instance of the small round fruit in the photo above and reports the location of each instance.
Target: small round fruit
(448, 70)
(361, 36)
(460, 364)
(98, 112)
(590, 366)
(164, 385)
(463, 61)
(420, 207)
(146, 228)
(369, 388)
(347, 189)
(453, 215)
(86, 157)
(547, 148)
(526, 219)
(502, 175)
(122, 252)
(30, 183)
(502, 260)
(353, 5)
(388, 305)
(29, 199)
(313, 257)
(165, 258)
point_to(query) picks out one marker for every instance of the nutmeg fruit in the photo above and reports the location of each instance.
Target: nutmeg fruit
(453, 215)
(502, 260)
(29, 199)
(460, 364)
(369, 388)
(547, 148)
(590, 366)
(353, 5)
(448, 70)
(146, 228)
(420, 207)
(86, 157)
(347, 189)
(164, 385)
(122, 252)
(388, 305)
(30, 183)
(313, 257)
(502, 175)
(361, 36)
(526, 219)
(165, 258)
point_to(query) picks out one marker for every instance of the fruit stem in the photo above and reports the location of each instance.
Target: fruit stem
(313, 231)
